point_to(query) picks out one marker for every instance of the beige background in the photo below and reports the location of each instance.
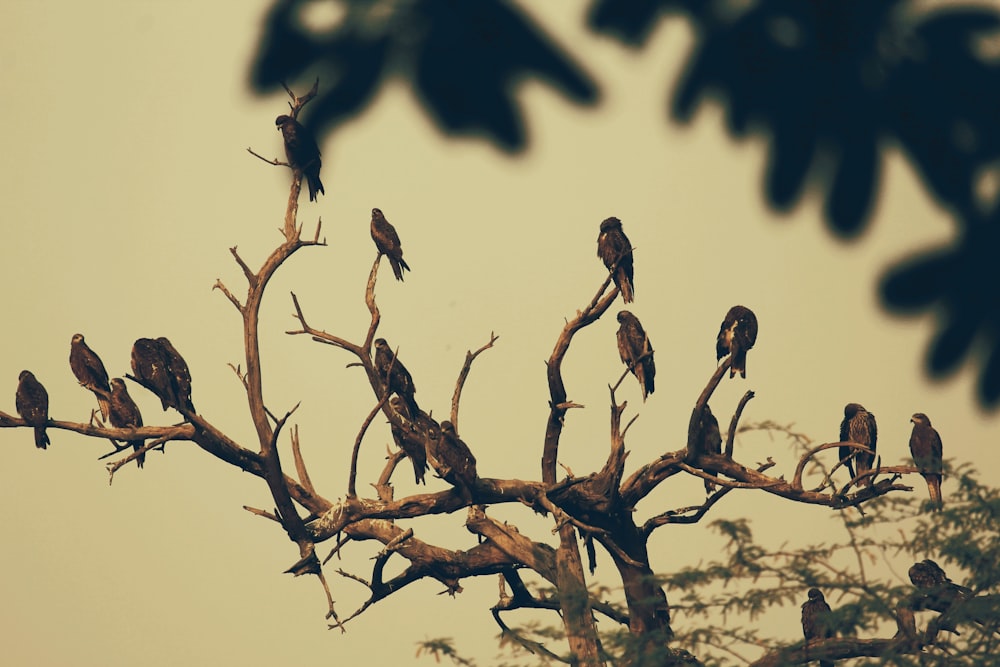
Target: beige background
(124, 180)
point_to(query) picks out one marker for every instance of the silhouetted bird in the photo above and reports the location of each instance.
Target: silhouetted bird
(710, 439)
(858, 426)
(89, 371)
(125, 414)
(816, 620)
(180, 376)
(636, 351)
(737, 335)
(302, 152)
(615, 250)
(412, 437)
(925, 447)
(394, 375)
(32, 403)
(454, 459)
(149, 365)
(387, 241)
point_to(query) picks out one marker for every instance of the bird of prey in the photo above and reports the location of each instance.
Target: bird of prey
(858, 426)
(936, 591)
(615, 250)
(710, 439)
(412, 437)
(149, 365)
(387, 241)
(455, 462)
(925, 447)
(179, 374)
(302, 152)
(737, 334)
(394, 375)
(32, 403)
(125, 414)
(816, 620)
(636, 351)
(89, 371)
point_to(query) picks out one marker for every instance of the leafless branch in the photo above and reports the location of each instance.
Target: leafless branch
(464, 373)
(734, 422)
(276, 162)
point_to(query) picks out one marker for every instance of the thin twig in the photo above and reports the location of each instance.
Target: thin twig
(464, 373)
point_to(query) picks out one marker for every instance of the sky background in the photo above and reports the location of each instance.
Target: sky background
(125, 179)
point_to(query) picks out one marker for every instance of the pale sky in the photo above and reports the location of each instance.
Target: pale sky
(125, 179)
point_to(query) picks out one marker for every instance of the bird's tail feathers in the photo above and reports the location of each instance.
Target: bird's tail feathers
(41, 437)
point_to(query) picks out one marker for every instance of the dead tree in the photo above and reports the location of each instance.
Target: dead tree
(597, 508)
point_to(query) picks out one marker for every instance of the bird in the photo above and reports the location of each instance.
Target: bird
(816, 620)
(936, 591)
(925, 447)
(179, 374)
(149, 365)
(32, 403)
(411, 437)
(454, 460)
(89, 371)
(302, 152)
(615, 250)
(125, 414)
(737, 335)
(636, 351)
(710, 439)
(394, 375)
(387, 241)
(858, 426)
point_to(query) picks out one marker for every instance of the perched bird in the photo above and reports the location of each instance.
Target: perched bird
(302, 152)
(387, 241)
(454, 460)
(816, 621)
(858, 426)
(737, 334)
(615, 250)
(411, 440)
(149, 365)
(710, 439)
(125, 414)
(925, 447)
(936, 591)
(636, 351)
(89, 371)
(180, 376)
(32, 403)
(394, 375)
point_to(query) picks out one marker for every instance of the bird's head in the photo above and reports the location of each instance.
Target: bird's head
(117, 384)
(377, 213)
(282, 120)
(920, 418)
(447, 427)
(623, 315)
(852, 409)
(815, 594)
(610, 223)
(78, 338)
(25, 374)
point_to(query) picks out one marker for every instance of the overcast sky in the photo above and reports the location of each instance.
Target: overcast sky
(125, 180)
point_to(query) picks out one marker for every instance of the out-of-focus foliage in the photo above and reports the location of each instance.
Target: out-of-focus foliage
(830, 84)
(462, 59)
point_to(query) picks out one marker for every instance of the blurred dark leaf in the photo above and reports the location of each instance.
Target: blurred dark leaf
(808, 75)
(960, 283)
(463, 59)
